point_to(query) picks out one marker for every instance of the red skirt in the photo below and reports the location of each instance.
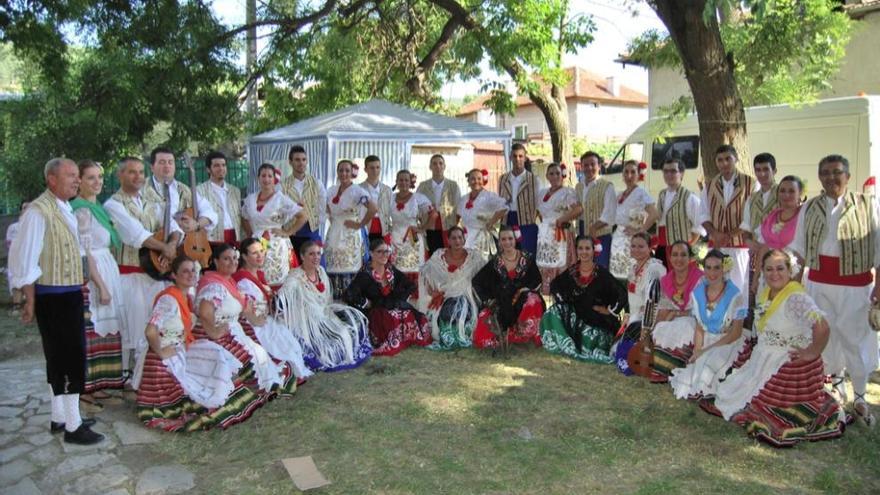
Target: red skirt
(526, 329)
(393, 330)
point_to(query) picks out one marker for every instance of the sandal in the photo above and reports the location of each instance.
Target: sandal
(864, 412)
(838, 389)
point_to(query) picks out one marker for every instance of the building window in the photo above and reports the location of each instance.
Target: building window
(521, 132)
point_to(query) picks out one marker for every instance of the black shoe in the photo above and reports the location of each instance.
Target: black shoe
(83, 436)
(59, 427)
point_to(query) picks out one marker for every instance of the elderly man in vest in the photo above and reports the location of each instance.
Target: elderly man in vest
(137, 216)
(679, 210)
(48, 269)
(599, 201)
(838, 237)
(520, 189)
(444, 195)
(381, 195)
(722, 211)
(163, 167)
(225, 200)
(305, 190)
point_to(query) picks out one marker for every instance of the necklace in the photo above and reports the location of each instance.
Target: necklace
(711, 302)
(316, 282)
(550, 193)
(678, 295)
(510, 260)
(586, 279)
(625, 194)
(637, 276)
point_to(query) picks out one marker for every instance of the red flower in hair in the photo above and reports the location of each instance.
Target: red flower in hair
(643, 166)
(563, 170)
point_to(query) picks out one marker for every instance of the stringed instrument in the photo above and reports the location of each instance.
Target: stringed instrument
(195, 244)
(640, 357)
(152, 261)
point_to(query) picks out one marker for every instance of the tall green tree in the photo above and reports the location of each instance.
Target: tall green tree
(738, 54)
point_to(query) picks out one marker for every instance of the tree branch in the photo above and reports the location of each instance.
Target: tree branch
(416, 83)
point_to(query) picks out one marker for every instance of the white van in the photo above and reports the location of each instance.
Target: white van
(797, 136)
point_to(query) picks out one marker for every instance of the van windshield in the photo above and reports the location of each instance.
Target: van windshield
(686, 148)
(629, 151)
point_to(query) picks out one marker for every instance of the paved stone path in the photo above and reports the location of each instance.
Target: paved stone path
(33, 461)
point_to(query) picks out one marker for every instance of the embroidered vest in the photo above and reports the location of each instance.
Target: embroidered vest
(526, 210)
(727, 217)
(233, 204)
(148, 218)
(678, 223)
(448, 200)
(184, 196)
(758, 210)
(60, 261)
(594, 203)
(383, 203)
(308, 198)
(853, 232)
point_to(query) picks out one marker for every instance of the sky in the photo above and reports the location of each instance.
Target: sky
(615, 22)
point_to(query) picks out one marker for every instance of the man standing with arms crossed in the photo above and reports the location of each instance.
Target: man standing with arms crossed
(519, 188)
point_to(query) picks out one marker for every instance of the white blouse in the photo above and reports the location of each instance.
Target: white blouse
(279, 210)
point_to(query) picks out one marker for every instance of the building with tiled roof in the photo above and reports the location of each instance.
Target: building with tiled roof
(600, 110)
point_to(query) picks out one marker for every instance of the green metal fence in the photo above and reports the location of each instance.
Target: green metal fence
(237, 175)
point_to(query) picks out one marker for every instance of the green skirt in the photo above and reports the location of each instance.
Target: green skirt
(455, 324)
(596, 342)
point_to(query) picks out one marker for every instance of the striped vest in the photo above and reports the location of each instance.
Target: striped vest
(233, 203)
(678, 224)
(758, 210)
(308, 198)
(526, 210)
(148, 218)
(853, 232)
(594, 203)
(726, 217)
(184, 196)
(60, 260)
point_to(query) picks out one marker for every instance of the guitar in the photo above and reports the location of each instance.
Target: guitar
(152, 261)
(640, 357)
(195, 244)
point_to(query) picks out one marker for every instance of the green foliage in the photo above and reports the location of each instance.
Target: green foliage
(784, 51)
(579, 145)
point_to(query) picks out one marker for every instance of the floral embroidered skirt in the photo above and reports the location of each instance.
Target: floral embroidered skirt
(526, 328)
(560, 322)
(393, 330)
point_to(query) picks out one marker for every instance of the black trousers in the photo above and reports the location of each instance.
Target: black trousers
(62, 328)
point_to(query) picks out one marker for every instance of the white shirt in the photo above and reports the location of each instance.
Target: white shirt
(131, 231)
(374, 192)
(222, 194)
(438, 190)
(515, 181)
(830, 245)
(610, 209)
(299, 184)
(746, 224)
(24, 254)
(691, 207)
(205, 210)
(727, 188)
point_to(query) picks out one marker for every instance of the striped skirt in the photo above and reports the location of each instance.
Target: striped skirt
(103, 354)
(666, 360)
(792, 407)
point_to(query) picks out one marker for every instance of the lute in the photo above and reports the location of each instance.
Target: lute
(195, 244)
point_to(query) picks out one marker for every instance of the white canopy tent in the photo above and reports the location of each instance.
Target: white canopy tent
(376, 127)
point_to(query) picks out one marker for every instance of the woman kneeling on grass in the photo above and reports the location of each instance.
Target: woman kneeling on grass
(381, 291)
(779, 394)
(187, 384)
(583, 321)
(509, 286)
(718, 338)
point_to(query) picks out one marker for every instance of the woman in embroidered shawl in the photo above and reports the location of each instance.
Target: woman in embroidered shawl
(480, 210)
(102, 292)
(446, 291)
(644, 273)
(583, 321)
(509, 286)
(350, 209)
(718, 337)
(779, 394)
(674, 326)
(635, 212)
(188, 384)
(558, 206)
(381, 291)
(410, 215)
(219, 305)
(264, 215)
(333, 336)
(266, 330)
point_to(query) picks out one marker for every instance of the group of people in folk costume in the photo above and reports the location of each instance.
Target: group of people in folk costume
(442, 270)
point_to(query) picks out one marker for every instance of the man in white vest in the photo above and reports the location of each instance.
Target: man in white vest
(48, 269)
(838, 239)
(520, 188)
(444, 195)
(225, 200)
(381, 195)
(137, 216)
(307, 191)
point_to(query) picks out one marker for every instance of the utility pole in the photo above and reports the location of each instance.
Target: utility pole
(251, 57)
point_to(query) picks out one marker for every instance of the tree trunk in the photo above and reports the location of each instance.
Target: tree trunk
(709, 73)
(555, 111)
